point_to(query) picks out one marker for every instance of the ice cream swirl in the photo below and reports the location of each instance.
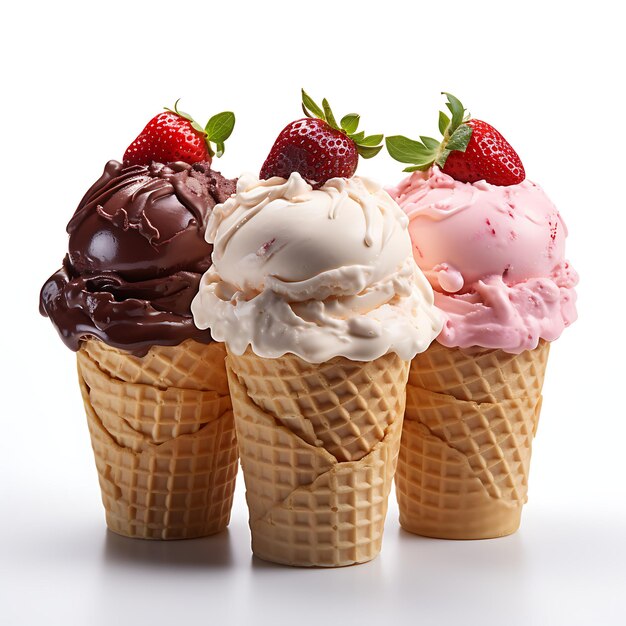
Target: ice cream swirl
(315, 272)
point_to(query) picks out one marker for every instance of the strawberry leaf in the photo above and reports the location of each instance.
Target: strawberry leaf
(185, 116)
(350, 122)
(408, 150)
(357, 137)
(416, 168)
(459, 138)
(457, 110)
(196, 126)
(372, 140)
(310, 108)
(220, 127)
(442, 158)
(422, 154)
(328, 115)
(430, 143)
(175, 110)
(444, 122)
(367, 147)
(368, 152)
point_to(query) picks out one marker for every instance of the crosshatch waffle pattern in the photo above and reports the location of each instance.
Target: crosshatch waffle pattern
(464, 463)
(478, 374)
(189, 365)
(342, 406)
(307, 507)
(166, 456)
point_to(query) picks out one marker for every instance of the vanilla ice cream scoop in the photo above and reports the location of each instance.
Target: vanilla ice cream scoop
(314, 272)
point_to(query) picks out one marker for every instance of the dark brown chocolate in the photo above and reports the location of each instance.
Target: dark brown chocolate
(136, 255)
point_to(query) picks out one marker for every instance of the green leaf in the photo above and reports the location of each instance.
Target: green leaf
(220, 127)
(442, 158)
(416, 168)
(459, 138)
(219, 149)
(456, 108)
(185, 116)
(357, 137)
(195, 125)
(179, 112)
(408, 150)
(350, 122)
(368, 152)
(175, 109)
(444, 122)
(307, 103)
(430, 143)
(367, 147)
(371, 140)
(328, 114)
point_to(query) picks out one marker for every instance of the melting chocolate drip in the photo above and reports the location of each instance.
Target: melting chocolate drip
(136, 255)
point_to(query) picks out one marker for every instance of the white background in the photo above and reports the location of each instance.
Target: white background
(80, 81)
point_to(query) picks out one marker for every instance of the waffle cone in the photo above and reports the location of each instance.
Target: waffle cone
(467, 440)
(319, 446)
(163, 436)
(479, 374)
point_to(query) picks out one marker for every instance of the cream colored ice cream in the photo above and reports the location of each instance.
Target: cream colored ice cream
(318, 273)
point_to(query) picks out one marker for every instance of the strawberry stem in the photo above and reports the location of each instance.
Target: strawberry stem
(423, 153)
(367, 147)
(217, 130)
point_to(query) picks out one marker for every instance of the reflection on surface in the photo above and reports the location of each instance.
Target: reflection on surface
(261, 565)
(556, 570)
(208, 552)
(421, 577)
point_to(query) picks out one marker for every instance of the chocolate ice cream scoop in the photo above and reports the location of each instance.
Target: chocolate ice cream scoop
(146, 221)
(136, 254)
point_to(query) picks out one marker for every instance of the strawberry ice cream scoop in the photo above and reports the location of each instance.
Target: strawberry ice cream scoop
(495, 257)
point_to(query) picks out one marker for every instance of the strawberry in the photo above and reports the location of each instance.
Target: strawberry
(314, 149)
(176, 136)
(317, 147)
(488, 156)
(470, 150)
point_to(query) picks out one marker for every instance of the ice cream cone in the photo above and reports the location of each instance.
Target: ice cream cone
(492, 245)
(470, 418)
(163, 436)
(319, 445)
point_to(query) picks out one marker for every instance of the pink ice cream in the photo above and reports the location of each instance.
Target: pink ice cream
(495, 257)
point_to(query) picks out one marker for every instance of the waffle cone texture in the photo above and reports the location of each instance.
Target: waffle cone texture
(319, 446)
(471, 416)
(163, 436)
